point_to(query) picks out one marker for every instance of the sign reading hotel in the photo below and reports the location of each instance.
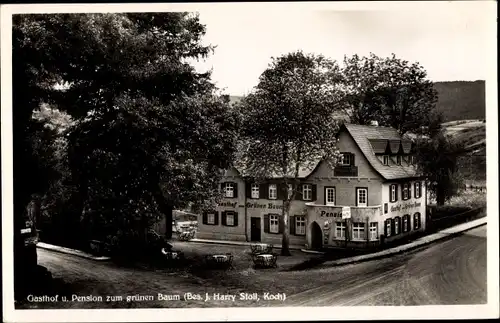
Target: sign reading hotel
(250, 205)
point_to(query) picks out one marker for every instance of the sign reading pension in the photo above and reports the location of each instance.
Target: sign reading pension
(346, 212)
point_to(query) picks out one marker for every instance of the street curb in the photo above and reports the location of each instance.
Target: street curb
(74, 252)
(238, 243)
(408, 247)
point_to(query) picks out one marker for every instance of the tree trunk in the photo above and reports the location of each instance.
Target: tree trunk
(167, 211)
(285, 250)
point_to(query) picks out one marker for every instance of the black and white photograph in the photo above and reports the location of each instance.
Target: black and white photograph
(241, 160)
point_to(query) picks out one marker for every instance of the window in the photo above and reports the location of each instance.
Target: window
(398, 160)
(386, 208)
(255, 191)
(417, 190)
(397, 224)
(386, 159)
(361, 197)
(405, 223)
(273, 192)
(373, 231)
(211, 218)
(416, 221)
(358, 231)
(229, 190)
(274, 226)
(300, 225)
(388, 227)
(330, 195)
(340, 229)
(346, 159)
(307, 192)
(230, 218)
(405, 191)
(394, 193)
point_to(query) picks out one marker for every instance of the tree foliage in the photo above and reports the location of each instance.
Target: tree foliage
(392, 91)
(437, 160)
(149, 132)
(287, 122)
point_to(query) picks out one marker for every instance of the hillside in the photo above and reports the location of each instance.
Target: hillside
(460, 100)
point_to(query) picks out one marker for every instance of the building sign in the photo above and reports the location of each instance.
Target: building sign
(263, 206)
(330, 214)
(346, 212)
(403, 207)
(227, 204)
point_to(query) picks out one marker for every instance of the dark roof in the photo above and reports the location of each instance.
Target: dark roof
(364, 136)
(379, 146)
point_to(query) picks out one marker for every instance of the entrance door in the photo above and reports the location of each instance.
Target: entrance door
(255, 229)
(316, 236)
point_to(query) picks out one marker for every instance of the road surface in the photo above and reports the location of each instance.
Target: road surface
(445, 273)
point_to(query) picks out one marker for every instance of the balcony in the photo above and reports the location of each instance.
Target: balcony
(345, 171)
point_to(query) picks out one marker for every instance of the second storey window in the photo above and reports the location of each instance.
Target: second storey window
(255, 191)
(394, 192)
(405, 192)
(361, 197)
(330, 195)
(273, 192)
(229, 190)
(307, 192)
(274, 226)
(417, 190)
(358, 231)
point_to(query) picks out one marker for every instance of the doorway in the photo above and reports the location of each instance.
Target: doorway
(255, 229)
(316, 236)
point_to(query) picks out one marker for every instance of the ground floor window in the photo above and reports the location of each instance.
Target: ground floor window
(358, 231)
(406, 224)
(388, 227)
(416, 221)
(397, 225)
(274, 226)
(211, 218)
(340, 230)
(373, 231)
(230, 218)
(300, 225)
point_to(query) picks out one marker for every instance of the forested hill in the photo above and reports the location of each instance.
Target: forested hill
(458, 100)
(461, 100)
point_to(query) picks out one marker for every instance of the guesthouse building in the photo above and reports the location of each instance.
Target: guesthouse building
(373, 195)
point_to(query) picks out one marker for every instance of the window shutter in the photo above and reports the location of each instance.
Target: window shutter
(216, 222)
(235, 190)
(248, 190)
(222, 187)
(385, 227)
(235, 219)
(415, 189)
(291, 224)
(390, 193)
(299, 196)
(204, 218)
(352, 160)
(314, 197)
(282, 191)
(409, 223)
(264, 191)
(393, 231)
(281, 223)
(409, 190)
(223, 218)
(266, 223)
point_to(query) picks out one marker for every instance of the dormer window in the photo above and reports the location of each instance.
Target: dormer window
(386, 160)
(398, 160)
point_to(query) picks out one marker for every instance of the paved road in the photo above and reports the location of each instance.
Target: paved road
(449, 272)
(452, 272)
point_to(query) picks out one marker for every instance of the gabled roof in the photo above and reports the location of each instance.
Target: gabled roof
(364, 136)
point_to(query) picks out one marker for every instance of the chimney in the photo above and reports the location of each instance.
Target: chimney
(374, 123)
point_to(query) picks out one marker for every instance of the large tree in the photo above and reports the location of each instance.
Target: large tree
(287, 124)
(127, 82)
(389, 90)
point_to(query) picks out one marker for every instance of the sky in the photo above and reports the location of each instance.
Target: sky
(448, 41)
